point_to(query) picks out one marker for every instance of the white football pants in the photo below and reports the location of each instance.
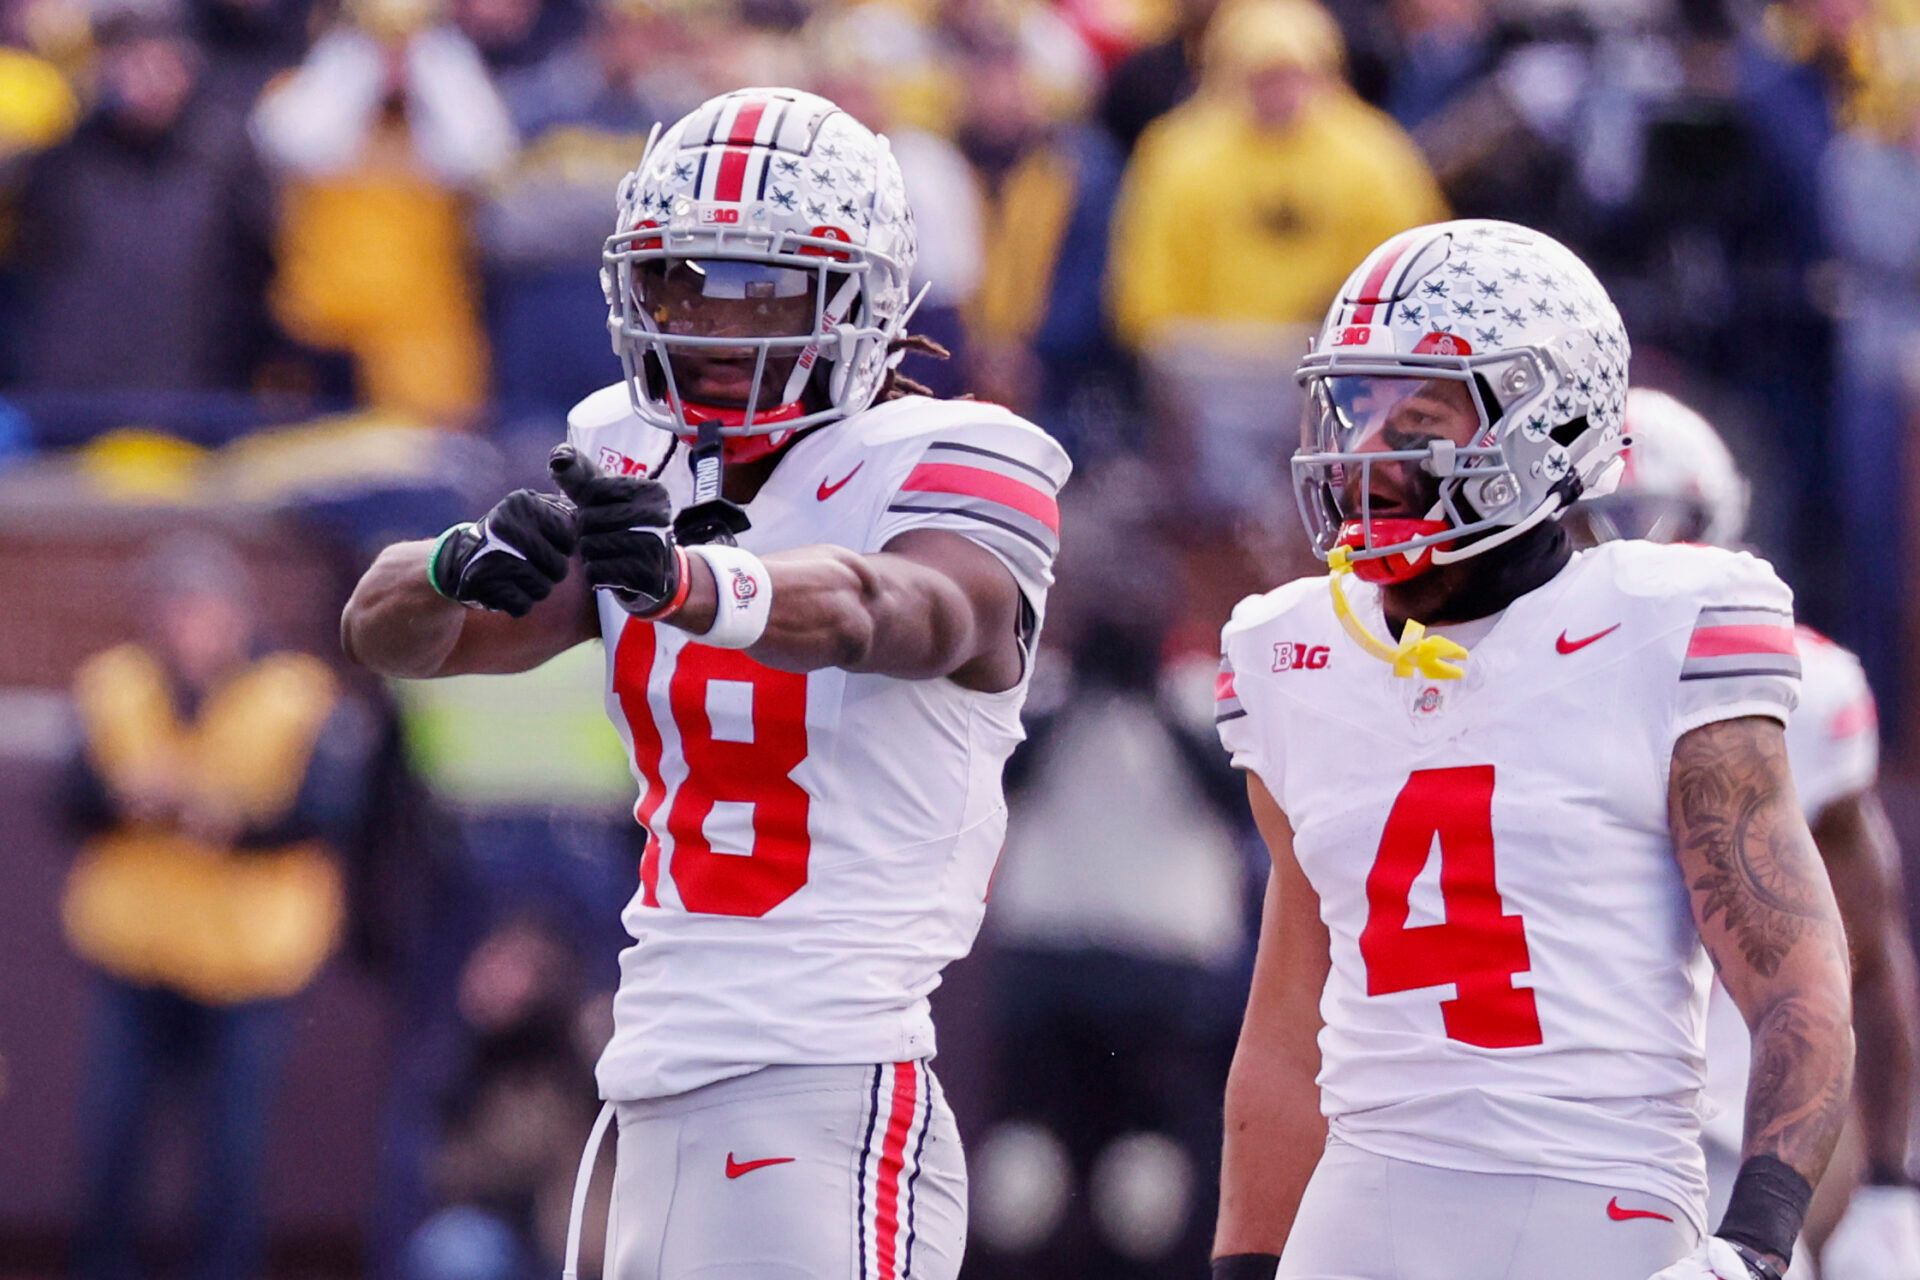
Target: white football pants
(821, 1173)
(1367, 1217)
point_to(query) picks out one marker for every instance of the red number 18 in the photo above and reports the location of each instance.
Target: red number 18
(757, 773)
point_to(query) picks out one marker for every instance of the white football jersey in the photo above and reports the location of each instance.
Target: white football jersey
(819, 844)
(1517, 985)
(1833, 744)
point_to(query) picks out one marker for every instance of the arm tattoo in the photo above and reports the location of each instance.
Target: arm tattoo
(1794, 1111)
(1767, 914)
(1761, 874)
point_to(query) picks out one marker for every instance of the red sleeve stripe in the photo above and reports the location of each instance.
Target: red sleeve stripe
(974, 482)
(1726, 641)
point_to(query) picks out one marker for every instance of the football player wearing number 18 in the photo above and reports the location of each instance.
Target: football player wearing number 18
(1510, 791)
(818, 714)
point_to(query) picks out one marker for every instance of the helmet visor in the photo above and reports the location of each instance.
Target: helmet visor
(1385, 459)
(726, 297)
(1386, 443)
(729, 333)
(759, 329)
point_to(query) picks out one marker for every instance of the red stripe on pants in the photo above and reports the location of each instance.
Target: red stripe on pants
(893, 1151)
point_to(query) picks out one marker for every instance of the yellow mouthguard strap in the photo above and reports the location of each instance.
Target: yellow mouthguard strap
(1435, 657)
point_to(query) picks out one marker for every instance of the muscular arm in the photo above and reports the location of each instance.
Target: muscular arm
(1767, 915)
(395, 623)
(1857, 842)
(932, 604)
(1274, 1129)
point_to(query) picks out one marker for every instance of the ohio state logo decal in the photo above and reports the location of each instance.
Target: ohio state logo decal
(1441, 343)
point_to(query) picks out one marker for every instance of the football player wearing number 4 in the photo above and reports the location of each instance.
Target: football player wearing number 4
(818, 715)
(1474, 1039)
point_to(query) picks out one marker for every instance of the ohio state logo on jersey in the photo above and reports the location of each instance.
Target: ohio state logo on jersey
(1288, 656)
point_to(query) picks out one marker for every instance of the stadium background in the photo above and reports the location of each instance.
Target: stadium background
(295, 279)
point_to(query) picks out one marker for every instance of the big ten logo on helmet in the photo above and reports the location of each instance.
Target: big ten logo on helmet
(615, 463)
(1288, 656)
(713, 213)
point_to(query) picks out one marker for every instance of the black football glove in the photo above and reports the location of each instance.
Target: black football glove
(626, 533)
(511, 559)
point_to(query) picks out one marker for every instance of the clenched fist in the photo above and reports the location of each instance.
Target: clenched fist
(510, 559)
(626, 534)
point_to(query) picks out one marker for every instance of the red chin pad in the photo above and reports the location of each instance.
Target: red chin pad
(1387, 531)
(739, 450)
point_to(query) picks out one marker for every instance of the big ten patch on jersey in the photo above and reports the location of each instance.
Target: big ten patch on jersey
(603, 427)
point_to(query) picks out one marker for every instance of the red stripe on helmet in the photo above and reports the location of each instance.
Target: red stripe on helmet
(747, 122)
(733, 174)
(1376, 280)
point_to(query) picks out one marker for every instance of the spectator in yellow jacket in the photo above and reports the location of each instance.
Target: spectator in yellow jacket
(213, 782)
(381, 137)
(1249, 203)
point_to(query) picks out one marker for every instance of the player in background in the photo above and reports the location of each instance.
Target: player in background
(1680, 484)
(817, 716)
(1499, 845)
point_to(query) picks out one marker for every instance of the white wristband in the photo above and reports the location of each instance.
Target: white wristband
(743, 595)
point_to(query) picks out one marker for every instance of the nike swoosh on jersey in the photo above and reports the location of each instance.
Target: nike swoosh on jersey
(735, 1168)
(1565, 645)
(1618, 1214)
(828, 490)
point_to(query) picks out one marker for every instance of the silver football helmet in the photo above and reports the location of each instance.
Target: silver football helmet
(1496, 330)
(759, 199)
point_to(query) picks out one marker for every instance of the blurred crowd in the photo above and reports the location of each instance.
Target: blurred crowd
(341, 259)
(223, 213)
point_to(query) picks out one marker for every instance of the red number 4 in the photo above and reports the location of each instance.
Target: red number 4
(1479, 947)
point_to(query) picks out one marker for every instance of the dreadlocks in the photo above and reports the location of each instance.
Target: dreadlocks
(898, 384)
